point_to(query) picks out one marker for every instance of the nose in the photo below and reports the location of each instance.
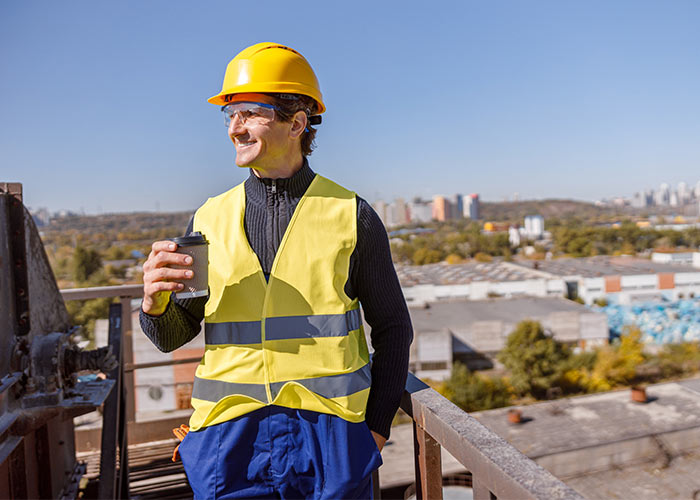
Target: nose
(235, 125)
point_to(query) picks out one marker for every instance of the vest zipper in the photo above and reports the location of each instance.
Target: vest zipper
(270, 232)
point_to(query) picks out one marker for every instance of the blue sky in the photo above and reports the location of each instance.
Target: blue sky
(103, 104)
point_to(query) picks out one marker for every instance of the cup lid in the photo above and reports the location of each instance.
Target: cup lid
(195, 238)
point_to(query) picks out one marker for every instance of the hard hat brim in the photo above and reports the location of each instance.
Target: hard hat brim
(271, 87)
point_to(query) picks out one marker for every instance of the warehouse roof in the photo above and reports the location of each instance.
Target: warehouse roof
(462, 274)
(450, 313)
(604, 265)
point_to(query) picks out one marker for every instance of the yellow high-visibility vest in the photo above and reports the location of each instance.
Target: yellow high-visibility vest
(295, 340)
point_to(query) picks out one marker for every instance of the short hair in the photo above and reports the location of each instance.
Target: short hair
(288, 105)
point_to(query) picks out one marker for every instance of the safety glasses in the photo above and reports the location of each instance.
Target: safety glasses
(254, 111)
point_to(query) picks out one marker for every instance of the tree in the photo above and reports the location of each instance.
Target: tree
(85, 312)
(617, 364)
(85, 262)
(473, 392)
(426, 256)
(535, 360)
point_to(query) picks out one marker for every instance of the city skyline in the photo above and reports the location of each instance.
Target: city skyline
(692, 195)
(104, 105)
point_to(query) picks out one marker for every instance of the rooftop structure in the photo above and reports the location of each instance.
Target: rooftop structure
(604, 265)
(622, 280)
(673, 257)
(475, 281)
(583, 436)
(473, 331)
(462, 274)
(602, 445)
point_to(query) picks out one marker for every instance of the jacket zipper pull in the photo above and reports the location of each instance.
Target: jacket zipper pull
(274, 186)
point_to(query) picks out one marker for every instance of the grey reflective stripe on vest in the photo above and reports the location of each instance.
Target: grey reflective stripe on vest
(331, 386)
(233, 332)
(283, 328)
(318, 325)
(215, 390)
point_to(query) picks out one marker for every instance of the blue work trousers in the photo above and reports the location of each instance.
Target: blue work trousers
(278, 452)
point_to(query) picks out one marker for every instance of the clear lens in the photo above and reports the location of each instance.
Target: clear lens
(245, 111)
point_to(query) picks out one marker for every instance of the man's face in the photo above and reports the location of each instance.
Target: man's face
(261, 143)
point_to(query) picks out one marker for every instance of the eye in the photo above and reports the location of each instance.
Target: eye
(244, 114)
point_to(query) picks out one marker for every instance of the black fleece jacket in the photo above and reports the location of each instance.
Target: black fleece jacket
(269, 208)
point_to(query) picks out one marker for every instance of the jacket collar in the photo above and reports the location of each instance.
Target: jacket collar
(295, 186)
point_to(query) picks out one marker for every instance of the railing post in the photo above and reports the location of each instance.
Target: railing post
(481, 491)
(114, 484)
(128, 359)
(376, 489)
(428, 465)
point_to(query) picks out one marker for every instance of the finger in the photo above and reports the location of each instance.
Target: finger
(163, 286)
(168, 274)
(172, 258)
(163, 246)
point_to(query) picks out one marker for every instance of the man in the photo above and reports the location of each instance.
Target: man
(286, 401)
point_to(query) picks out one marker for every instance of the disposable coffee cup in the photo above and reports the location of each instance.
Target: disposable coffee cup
(196, 246)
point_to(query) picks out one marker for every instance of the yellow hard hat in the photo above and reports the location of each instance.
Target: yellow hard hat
(270, 67)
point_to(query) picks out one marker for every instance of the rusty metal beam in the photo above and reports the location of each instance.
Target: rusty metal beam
(428, 465)
(14, 209)
(17, 484)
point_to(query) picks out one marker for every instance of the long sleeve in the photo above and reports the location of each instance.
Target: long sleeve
(180, 323)
(374, 279)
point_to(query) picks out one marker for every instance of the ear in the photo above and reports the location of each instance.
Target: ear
(299, 123)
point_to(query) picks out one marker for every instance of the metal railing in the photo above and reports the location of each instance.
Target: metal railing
(498, 469)
(125, 293)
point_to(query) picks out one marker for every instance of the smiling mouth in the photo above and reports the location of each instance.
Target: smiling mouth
(242, 144)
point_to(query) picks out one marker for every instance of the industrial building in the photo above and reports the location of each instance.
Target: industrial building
(474, 331)
(623, 280)
(476, 281)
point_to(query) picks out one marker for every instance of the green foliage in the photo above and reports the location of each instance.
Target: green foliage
(577, 372)
(453, 258)
(535, 360)
(115, 252)
(617, 364)
(601, 301)
(587, 240)
(483, 257)
(86, 262)
(474, 392)
(426, 256)
(116, 272)
(85, 312)
(675, 360)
